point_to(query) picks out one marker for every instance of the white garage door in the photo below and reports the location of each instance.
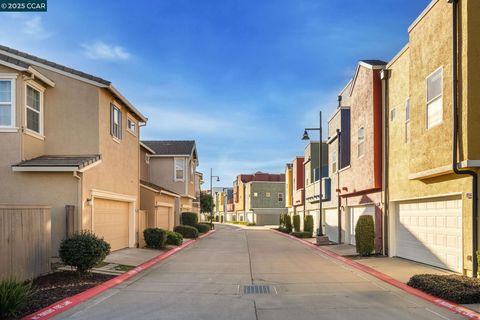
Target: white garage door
(111, 222)
(331, 224)
(431, 232)
(355, 213)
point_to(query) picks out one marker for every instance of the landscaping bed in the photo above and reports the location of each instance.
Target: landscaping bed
(455, 288)
(56, 286)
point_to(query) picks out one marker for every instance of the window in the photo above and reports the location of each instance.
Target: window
(434, 99)
(407, 121)
(255, 194)
(393, 114)
(131, 126)
(267, 194)
(179, 170)
(115, 122)
(34, 109)
(280, 197)
(147, 158)
(361, 142)
(7, 96)
(192, 171)
(334, 161)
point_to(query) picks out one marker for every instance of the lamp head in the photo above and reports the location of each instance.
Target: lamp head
(305, 135)
(218, 179)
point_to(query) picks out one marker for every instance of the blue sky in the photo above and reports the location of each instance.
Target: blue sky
(242, 78)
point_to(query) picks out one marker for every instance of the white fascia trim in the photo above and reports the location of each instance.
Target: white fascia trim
(189, 197)
(124, 100)
(96, 163)
(112, 195)
(147, 148)
(170, 194)
(13, 66)
(45, 169)
(148, 188)
(40, 76)
(469, 164)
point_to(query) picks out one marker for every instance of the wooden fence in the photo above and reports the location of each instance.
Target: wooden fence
(25, 241)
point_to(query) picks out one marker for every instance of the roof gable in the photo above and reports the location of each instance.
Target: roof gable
(185, 148)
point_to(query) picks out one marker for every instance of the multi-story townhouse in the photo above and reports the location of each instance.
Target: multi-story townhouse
(311, 179)
(265, 198)
(239, 196)
(338, 144)
(69, 139)
(432, 79)
(359, 184)
(230, 205)
(219, 201)
(298, 172)
(160, 204)
(173, 166)
(289, 188)
(198, 190)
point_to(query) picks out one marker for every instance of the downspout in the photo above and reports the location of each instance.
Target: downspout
(385, 135)
(78, 216)
(455, 137)
(339, 198)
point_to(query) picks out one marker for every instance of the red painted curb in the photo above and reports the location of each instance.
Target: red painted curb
(470, 314)
(68, 303)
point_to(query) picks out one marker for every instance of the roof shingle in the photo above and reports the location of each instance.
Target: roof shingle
(75, 162)
(171, 147)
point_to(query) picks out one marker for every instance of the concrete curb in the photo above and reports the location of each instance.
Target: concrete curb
(456, 308)
(68, 303)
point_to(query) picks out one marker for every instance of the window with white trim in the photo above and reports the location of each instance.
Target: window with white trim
(361, 142)
(7, 105)
(435, 99)
(393, 114)
(334, 161)
(192, 171)
(131, 126)
(267, 194)
(255, 194)
(407, 121)
(34, 116)
(280, 197)
(179, 169)
(147, 158)
(115, 122)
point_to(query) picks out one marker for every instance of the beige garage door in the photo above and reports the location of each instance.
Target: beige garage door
(111, 222)
(162, 218)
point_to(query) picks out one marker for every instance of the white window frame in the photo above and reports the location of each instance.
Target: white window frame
(192, 171)
(175, 169)
(393, 114)
(130, 120)
(360, 142)
(41, 90)
(334, 161)
(120, 120)
(12, 78)
(147, 158)
(407, 121)
(267, 194)
(255, 194)
(432, 100)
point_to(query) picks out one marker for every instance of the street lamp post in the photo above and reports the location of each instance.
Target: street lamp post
(211, 192)
(320, 234)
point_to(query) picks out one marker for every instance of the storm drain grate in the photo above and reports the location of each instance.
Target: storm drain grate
(256, 289)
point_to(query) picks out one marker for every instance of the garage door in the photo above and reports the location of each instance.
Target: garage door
(111, 222)
(331, 224)
(355, 213)
(163, 218)
(430, 232)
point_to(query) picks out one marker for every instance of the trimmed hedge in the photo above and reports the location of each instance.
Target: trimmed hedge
(155, 238)
(308, 224)
(296, 222)
(455, 288)
(189, 219)
(365, 235)
(283, 220)
(83, 251)
(14, 295)
(210, 225)
(288, 223)
(303, 234)
(174, 238)
(283, 229)
(203, 228)
(187, 231)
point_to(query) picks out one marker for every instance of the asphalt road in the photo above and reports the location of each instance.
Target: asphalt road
(207, 281)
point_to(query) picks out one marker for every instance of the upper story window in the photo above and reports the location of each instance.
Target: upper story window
(131, 126)
(280, 197)
(361, 142)
(334, 161)
(7, 103)
(147, 158)
(34, 109)
(267, 194)
(192, 171)
(393, 114)
(407, 121)
(115, 122)
(179, 169)
(434, 98)
(255, 194)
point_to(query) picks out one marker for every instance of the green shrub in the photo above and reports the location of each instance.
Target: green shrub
(251, 224)
(13, 296)
(296, 222)
(283, 220)
(217, 219)
(203, 228)
(189, 219)
(155, 238)
(455, 288)
(83, 251)
(365, 235)
(283, 229)
(210, 225)
(288, 223)
(174, 238)
(308, 224)
(187, 231)
(301, 234)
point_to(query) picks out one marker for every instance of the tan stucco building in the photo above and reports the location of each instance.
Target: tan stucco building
(69, 139)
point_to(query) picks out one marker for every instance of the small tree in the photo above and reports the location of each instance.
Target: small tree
(308, 224)
(288, 223)
(365, 235)
(206, 204)
(296, 222)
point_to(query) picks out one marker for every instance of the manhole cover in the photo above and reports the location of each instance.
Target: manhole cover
(256, 289)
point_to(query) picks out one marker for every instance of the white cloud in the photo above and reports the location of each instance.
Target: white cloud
(99, 50)
(27, 28)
